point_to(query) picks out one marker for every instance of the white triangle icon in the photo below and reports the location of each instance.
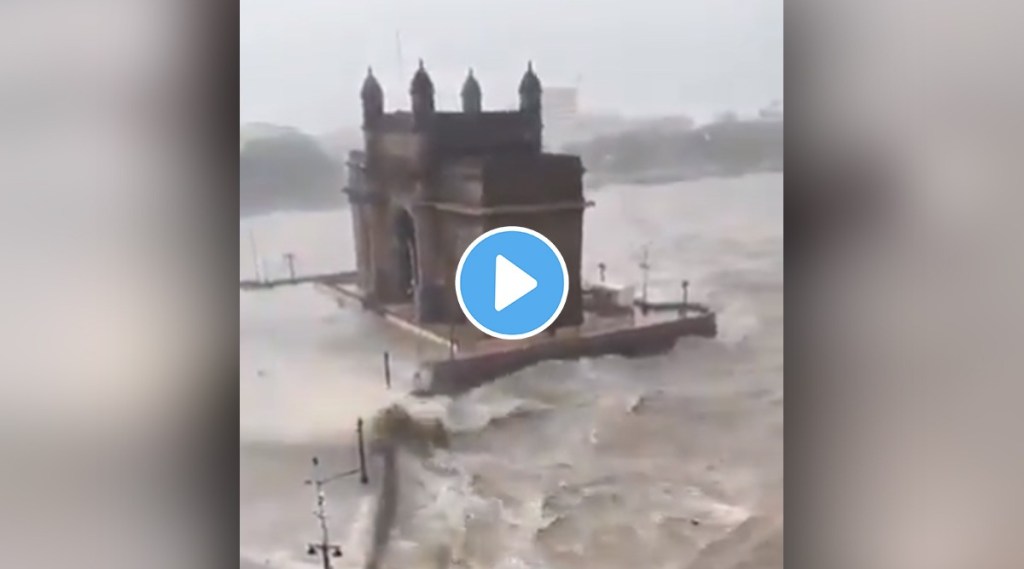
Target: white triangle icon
(510, 283)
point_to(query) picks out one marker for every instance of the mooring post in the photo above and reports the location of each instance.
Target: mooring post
(387, 369)
(363, 477)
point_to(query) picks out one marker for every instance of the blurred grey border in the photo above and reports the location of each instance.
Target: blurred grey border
(117, 200)
(904, 253)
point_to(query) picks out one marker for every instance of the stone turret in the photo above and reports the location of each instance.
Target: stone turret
(530, 92)
(472, 98)
(373, 98)
(422, 92)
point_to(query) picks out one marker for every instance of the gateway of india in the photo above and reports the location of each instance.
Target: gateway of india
(428, 182)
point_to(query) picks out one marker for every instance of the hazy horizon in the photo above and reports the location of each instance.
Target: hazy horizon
(302, 62)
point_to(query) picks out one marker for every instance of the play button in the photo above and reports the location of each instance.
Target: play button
(512, 283)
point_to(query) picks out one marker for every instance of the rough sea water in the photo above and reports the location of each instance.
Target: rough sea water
(666, 462)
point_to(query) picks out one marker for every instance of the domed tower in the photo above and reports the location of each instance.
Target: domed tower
(422, 92)
(530, 92)
(472, 98)
(373, 98)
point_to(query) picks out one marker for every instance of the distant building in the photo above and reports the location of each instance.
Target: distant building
(561, 104)
(772, 112)
(727, 116)
(429, 182)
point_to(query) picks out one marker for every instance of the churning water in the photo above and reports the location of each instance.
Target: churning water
(673, 461)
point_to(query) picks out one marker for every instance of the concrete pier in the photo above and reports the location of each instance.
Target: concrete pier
(467, 371)
(333, 279)
(476, 359)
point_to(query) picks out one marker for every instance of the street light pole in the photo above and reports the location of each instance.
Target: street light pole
(325, 548)
(290, 259)
(255, 257)
(645, 266)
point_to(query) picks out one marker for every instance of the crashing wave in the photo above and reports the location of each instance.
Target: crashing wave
(474, 416)
(394, 426)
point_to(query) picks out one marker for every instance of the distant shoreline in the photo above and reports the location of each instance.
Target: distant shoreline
(654, 178)
(652, 155)
(284, 170)
(592, 183)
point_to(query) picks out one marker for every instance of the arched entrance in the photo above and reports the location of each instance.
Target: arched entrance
(405, 252)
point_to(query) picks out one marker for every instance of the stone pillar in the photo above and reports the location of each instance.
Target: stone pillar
(382, 258)
(360, 229)
(430, 284)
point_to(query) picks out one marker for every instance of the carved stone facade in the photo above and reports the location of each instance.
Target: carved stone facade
(429, 182)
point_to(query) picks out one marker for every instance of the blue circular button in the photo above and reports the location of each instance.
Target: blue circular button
(512, 283)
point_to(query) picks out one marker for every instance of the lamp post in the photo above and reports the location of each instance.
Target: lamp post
(645, 266)
(290, 259)
(325, 548)
(255, 257)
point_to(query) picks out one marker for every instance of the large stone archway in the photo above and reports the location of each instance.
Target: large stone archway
(404, 233)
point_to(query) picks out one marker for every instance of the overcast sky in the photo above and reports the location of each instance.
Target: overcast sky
(302, 61)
